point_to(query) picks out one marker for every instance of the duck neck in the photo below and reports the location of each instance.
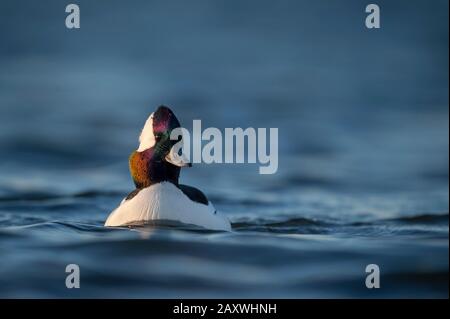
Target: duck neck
(146, 171)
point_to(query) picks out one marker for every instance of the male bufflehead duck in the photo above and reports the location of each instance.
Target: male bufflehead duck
(155, 172)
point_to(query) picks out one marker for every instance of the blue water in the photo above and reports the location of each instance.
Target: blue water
(363, 118)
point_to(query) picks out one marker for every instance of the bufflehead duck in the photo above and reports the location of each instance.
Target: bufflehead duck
(158, 195)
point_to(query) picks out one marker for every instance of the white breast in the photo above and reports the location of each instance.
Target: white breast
(165, 201)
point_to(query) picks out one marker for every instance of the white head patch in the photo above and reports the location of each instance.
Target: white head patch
(147, 139)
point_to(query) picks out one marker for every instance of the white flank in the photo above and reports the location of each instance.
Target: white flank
(165, 201)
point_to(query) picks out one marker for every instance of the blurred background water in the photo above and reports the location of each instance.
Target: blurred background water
(363, 146)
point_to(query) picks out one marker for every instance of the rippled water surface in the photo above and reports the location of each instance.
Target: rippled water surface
(363, 149)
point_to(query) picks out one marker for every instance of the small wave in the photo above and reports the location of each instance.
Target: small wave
(423, 219)
(45, 196)
(291, 225)
(29, 196)
(434, 218)
(300, 225)
(298, 221)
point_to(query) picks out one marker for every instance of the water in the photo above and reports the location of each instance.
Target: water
(363, 153)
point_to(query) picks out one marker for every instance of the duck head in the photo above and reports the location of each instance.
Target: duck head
(153, 161)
